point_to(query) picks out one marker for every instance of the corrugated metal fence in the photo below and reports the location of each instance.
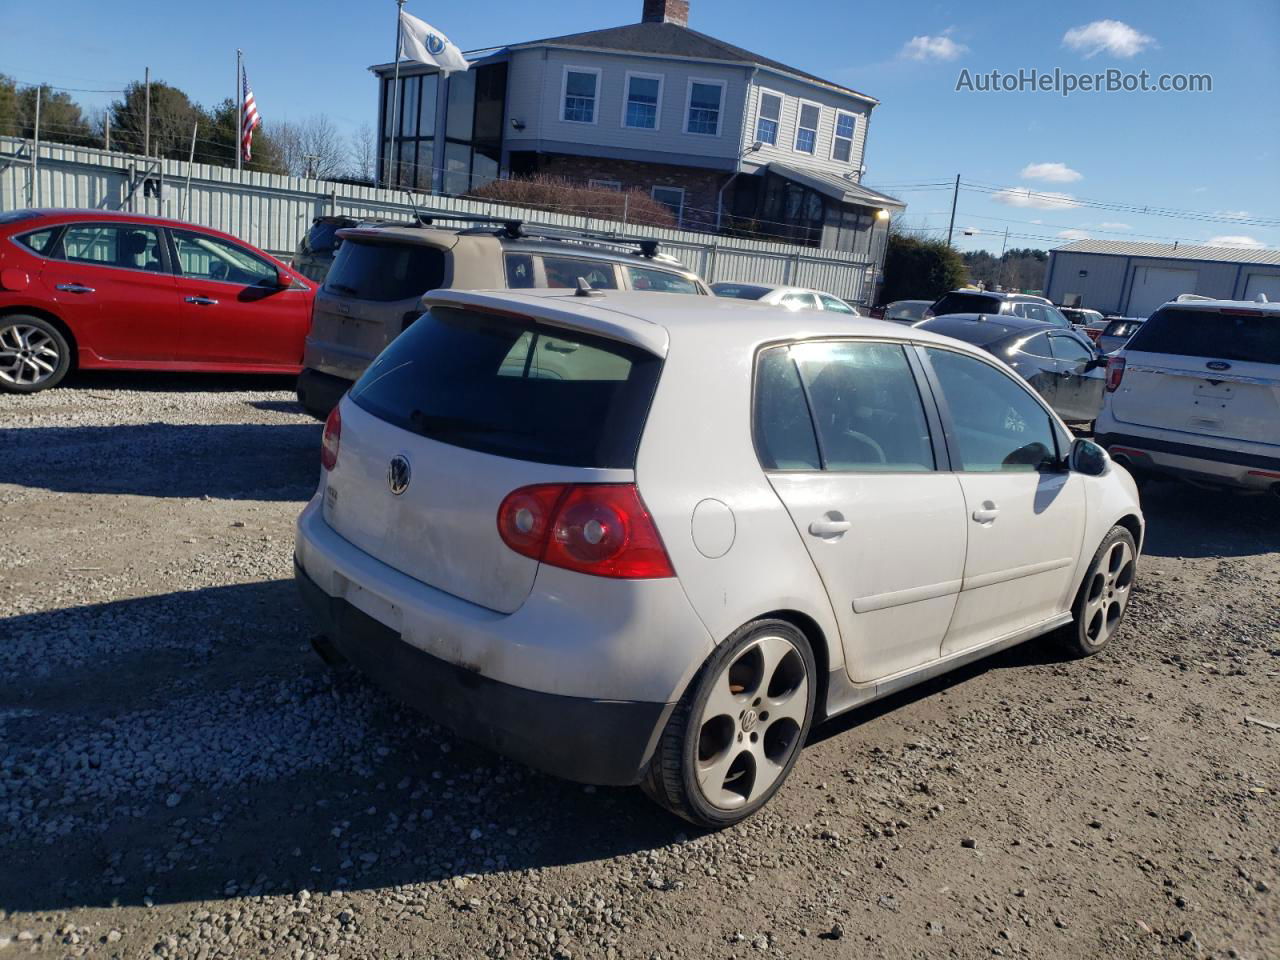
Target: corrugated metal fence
(273, 212)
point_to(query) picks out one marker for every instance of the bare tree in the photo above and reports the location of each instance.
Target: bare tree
(362, 153)
(311, 148)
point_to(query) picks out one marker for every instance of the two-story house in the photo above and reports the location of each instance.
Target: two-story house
(726, 138)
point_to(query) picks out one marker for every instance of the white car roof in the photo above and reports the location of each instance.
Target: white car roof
(653, 320)
(1265, 306)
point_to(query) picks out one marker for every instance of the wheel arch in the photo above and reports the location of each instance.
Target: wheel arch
(1131, 523)
(818, 644)
(53, 318)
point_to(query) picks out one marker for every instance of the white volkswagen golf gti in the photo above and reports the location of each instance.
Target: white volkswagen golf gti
(647, 540)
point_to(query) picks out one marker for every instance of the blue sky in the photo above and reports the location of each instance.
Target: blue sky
(1216, 154)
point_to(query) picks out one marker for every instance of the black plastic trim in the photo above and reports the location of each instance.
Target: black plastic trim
(1189, 450)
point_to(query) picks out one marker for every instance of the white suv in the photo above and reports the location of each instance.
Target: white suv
(634, 539)
(1196, 393)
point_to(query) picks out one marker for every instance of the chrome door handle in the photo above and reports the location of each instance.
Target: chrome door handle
(986, 513)
(202, 301)
(74, 288)
(827, 529)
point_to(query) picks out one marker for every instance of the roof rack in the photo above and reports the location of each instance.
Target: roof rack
(514, 229)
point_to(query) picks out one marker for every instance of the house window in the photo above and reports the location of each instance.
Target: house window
(770, 114)
(580, 87)
(672, 198)
(615, 185)
(842, 145)
(704, 107)
(807, 128)
(644, 99)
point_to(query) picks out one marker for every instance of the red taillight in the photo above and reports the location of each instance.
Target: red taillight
(332, 439)
(1115, 373)
(1092, 333)
(599, 528)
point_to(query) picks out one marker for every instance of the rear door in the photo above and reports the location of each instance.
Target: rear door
(233, 311)
(1079, 386)
(1214, 372)
(862, 484)
(112, 285)
(478, 406)
(1033, 359)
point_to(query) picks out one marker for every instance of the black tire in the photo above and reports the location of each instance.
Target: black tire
(1103, 597)
(19, 352)
(671, 779)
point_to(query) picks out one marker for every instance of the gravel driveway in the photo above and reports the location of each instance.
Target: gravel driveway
(181, 777)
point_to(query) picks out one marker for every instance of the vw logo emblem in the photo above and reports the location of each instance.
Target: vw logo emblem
(398, 475)
(435, 46)
(1218, 365)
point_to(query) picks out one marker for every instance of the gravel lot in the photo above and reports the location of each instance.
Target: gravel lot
(181, 777)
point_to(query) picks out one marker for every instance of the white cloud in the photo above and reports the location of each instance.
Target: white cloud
(1037, 221)
(1232, 214)
(1074, 235)
(925, 47)
(1052, 172)
(1199, 189)
(1034, 199)
(1112, 36)
(1106, 225)
(1233, 240)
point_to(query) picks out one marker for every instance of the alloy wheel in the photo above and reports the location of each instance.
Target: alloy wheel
(751, 722)
(28, 355)
(1108, 593)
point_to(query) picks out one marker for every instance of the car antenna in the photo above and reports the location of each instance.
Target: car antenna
(419, 219)
(586, 290)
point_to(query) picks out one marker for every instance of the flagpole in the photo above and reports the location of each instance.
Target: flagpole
(239, 102)
(395, 100)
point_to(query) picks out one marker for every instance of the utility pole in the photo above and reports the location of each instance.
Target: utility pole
(955, 195)
(1000, 273)
(191, 157)
(35, 155)
(106, 140)
(146, 123)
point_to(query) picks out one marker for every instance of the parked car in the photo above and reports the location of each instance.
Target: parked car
(793, 298)
(906, 311)
(1117, 333)
(990, 301)
(318, 245)
(1196, 393)
(93, 289)
(380, 272)
(520, 528)
(1062, 365)
(1080, 317)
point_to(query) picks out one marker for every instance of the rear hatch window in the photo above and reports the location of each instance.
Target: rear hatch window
(515, 388)
(323, 236)
(385, 272)
(1247, 336)
(965, 303)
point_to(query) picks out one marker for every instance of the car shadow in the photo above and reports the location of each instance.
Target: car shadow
(180, 382)
(190, 746)
(250, 461)
(1190, 521)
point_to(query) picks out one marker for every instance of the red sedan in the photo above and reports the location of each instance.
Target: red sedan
(96, 290)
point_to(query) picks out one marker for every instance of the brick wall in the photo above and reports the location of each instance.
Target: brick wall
(700, 186)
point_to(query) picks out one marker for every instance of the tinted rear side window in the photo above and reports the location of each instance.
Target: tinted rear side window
(567, 271)
(41, 241)
(1245, 336)
(385, 271)
(966, 303)
(784, 431)
(513, 388)
(739, 291)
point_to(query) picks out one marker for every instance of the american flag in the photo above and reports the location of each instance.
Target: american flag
(249, 122)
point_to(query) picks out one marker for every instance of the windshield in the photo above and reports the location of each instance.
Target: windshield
(1243, 335)
(739, 291)
(963, 302)
(514, 388)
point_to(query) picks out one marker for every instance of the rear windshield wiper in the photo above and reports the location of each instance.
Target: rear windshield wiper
(343, 288)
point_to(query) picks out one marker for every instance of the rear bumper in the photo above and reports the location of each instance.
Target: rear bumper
(592, 741)
(320, 392)
(1235, 468)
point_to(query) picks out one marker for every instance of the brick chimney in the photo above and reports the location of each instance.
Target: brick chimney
(666, 11)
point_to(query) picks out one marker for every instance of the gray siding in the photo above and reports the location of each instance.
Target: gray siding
(535, 97)
(1109, 283)
(793, 92)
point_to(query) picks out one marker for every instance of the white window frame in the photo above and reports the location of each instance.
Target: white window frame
(564, 94)
(761, 93)
(835, 134)
(688, 104)
(626, 99)
(597, 184)
(817, 128)
(680, 190)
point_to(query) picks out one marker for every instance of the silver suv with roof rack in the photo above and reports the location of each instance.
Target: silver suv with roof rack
(380, 273)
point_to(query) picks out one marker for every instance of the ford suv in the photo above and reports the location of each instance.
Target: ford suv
(1196, 393)
(371, 292)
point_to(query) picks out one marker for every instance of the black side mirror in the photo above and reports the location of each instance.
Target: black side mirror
(1088, 458)
(1095, 363)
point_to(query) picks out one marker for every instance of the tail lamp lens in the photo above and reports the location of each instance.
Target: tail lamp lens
(599, 529)
(331, 440)
(1115, 373)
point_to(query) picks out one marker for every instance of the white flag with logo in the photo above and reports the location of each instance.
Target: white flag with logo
(424, 43)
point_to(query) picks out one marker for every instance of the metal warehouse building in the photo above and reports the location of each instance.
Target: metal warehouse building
(1132, 279)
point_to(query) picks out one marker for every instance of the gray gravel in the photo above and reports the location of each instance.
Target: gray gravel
(181, 777)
